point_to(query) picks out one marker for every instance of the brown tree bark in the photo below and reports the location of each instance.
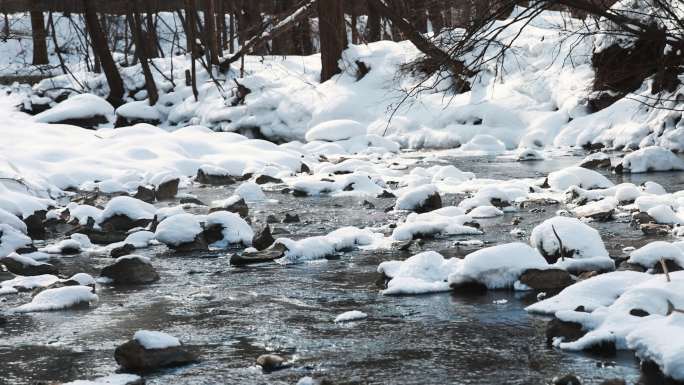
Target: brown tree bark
(116, 89)
(40, 52)
(284, 43)
(374, 24)
(211, 34)
(141, 52)
(333, 36)
(190, 28)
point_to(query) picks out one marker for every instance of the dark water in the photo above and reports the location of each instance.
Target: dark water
(232, 315)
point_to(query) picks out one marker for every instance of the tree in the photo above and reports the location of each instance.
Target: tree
(40, 51)
(333, 36)
(116, 89)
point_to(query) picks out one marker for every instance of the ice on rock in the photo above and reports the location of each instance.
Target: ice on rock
(335, 130)
(234, 228)
(485, 212)
(651, 254)
(486, 144)
(353, 315)
(577, 176)
(412, 198)
(250, 192)
(426, 272)
(178, 229)
(130, 207)
(59, 299)
(579, 239)
(150, 339)
(651, 159)
(497, 267)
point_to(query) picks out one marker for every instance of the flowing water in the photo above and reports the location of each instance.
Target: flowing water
(230, 315)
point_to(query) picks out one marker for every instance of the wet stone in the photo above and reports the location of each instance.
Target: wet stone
(192, 201)
(569, 331)
(568, 379)
(145, 194)
(291, 218)
(15, 266)
(268, 255)
(132, 356)
(654, 229)
(433, 202)
(386, 195)
(550, 279)
(239, 207)
(122, 250)
(130, 271)
(272, 362)
(167, 190)
(263, 238)
(122, 223)
(263, 179)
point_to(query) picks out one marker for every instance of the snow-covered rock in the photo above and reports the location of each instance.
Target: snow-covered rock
(335, 130)
(651, 254)
(419, 199)
(59, 299)
(426, 272)
(353, 315)
(561, 180)
(579, 239)
(651, 159)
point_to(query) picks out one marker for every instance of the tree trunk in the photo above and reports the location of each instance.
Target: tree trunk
(283, 44)
(211, 32)
(40, 52)
(116, 89)
(141, 51)
(190, 28)
(374, 24)
(333, 35)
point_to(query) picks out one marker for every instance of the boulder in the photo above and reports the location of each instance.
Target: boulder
(133, 356)
(192, 201)
(122, 223)
(131, 270)
(122, 250)
(167, 190)
(214, 180)
(263, 179)
(550, 279)
(98, 236)
(268, 255)
(145, 194)
(433, 202)
(26, 266)
(35, 224)
(272, 362)
(569, 331)
(263, 238)
(238, 206)
(386, 195)
(291, 218)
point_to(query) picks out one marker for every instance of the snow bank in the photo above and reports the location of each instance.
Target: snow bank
(155, 340)
(59, 299)
(651, 254)
(335, 130)
(81, 106)
(652, 159)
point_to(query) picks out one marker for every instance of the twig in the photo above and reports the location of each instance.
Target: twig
(560, 243)
(667, 273)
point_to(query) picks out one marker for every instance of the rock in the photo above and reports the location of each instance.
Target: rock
(134, 357)
(131, 270)
(145, 194)
(613, 381)
(239, 207)
(263, 179)
(596, 163)
(272, 362)
(654, 229)
(3, 320)
(305, 169)
(271, 219)
(122, 223)
(433, 202)
(551, 279)
(192, 201)
(35, 224)
(198, 244)
(299, 193)
(98, 236)
(639, 313)
(122, 250)
(587, 274)
(568, 379)
(386, 194)
(267, 255)
(263, 238)
(20, 266)
(469, 287)
(626, 266)
(291, 218)
(167, 190)
(569, 331)
(669, 264)
(214, 180)
(368, 205)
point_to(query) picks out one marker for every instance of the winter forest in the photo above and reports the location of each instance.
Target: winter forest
(320, 192)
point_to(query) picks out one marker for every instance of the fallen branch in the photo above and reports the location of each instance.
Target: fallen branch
(664, 266)
(560, 243)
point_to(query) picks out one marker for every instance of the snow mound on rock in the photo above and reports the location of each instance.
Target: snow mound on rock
(652, 159)
(426, 272)
(59, 299)
(81, 106)
(150, 339)
(561, 180)
(649, 255)
(353, 315)
(178, 229)
(334, 130)
(579, 239)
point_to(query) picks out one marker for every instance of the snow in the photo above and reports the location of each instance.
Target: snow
(484, 144)
(498, 267)
(651, 254)
(583, 240)
(132, 208)
(652, 159)
(661, 341)
(113, 379)
(11, 239)
(140, 258)
(178, 229)
(27, 283)
(665, 215)
(150, 339)
(83, 279)
(58, 299)
(353, 315)
(25, 260)
(426, 272)
(577, 176)
(139, 110)
(12, 220)
(414, 197)
(62, 245)
(81, 106)
(318, 247)
(335, 130)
